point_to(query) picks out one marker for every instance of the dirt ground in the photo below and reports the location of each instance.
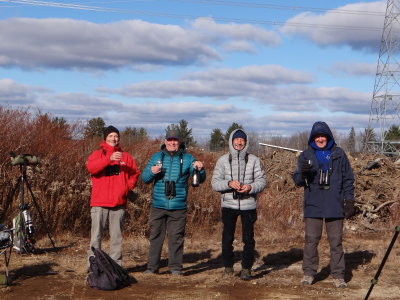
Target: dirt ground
(276, 273)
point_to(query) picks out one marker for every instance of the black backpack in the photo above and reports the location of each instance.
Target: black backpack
(105, 273)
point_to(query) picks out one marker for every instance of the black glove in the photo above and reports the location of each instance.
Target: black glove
(306, 168)
(349, 209)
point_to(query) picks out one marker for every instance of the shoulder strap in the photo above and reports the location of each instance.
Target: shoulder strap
(181, 164)
(246, 159)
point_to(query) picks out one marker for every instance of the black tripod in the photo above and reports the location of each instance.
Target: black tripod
(375, 279)
(24, 236)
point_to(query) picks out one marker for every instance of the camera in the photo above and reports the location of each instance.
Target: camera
(112, 170)
(24, 159)
(169, 189)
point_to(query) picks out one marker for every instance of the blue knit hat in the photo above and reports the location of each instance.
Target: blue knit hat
(239, 134)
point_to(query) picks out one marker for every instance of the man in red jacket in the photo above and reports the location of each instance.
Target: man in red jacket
(114, 173)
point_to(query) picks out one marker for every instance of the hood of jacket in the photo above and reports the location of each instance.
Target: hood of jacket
(233, 151)
(109, 149)
(321, 127)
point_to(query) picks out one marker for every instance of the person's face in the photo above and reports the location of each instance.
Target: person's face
(238, 143)
(321, 140)
(172, 144)
(112, 139)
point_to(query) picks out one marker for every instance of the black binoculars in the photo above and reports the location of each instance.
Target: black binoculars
(324, 179)
(112, 170)
(169, 189)
(235, 194)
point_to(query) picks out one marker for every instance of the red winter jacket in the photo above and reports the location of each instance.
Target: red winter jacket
(111, 191)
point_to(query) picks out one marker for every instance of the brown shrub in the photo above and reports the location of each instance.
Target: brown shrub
(62, 186)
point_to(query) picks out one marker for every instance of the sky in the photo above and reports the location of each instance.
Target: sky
(274, 67)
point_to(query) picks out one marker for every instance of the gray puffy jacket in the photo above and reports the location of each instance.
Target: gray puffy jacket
(251, 173)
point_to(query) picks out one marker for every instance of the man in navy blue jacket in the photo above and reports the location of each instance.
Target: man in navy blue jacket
(324, 171)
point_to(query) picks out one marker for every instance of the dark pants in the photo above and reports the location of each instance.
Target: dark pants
(313, 232)
(173, 223)
(248, 218)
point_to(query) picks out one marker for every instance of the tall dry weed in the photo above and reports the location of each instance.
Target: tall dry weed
(62, 186)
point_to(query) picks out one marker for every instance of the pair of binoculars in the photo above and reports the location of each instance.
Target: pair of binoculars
(112, 170)
(324, 179)
(169, 189)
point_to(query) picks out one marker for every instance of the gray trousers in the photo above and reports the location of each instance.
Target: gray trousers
(173, 223)
(313, 232)
(115, 216)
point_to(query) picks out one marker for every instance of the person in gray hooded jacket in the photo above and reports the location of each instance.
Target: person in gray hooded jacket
(239, 177)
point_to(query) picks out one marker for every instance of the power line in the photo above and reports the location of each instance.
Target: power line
(284, 7)
(185, 16)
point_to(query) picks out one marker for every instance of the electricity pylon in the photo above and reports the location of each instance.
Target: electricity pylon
(386, 96)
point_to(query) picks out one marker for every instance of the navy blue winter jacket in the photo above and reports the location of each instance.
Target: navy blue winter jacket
(171, 172)
(319, 202)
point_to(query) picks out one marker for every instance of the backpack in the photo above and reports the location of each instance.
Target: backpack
(105, 273)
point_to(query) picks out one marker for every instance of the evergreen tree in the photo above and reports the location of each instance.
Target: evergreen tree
(95, 127)
(351, 141)
(217, 140)
(131, 134)
(393, 134)
(185, 134)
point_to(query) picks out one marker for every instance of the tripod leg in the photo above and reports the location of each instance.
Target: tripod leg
(375, 279)
(10, 198)
(41, 215)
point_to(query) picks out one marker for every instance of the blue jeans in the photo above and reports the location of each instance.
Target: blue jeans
(229, 218)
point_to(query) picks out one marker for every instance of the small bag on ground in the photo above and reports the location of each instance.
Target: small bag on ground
(105, 273)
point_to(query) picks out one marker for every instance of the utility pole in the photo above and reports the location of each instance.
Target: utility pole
(385, 106)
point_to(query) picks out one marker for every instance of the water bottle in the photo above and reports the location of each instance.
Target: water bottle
(196, 178)
(28, 222)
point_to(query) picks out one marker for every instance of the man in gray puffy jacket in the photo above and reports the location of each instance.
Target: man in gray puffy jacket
(239, 177)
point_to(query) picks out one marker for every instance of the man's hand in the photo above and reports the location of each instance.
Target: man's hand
(245, 189)
(198, 165)
(155, 169)
(306, 168)
(116, 156)
(349, 209)
(234, 184)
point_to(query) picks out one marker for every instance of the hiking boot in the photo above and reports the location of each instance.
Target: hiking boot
(176, 272)
(307, 280)
(339, 283)
(228, 271)
(149, 272)
(245, 274)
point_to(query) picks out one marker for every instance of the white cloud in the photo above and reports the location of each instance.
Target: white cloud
(75, 44)
(305, 98)
(14, 93)
(235, 37)
(353, 68)
(333, 28)
(249, 81)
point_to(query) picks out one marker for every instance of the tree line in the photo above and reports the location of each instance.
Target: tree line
(218, 139)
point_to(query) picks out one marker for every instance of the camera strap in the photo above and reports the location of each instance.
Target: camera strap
(246, 159)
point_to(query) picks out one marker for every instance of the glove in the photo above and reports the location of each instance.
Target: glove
(306, 168)
(349, 209)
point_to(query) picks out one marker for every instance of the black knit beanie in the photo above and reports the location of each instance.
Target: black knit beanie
(109, 130)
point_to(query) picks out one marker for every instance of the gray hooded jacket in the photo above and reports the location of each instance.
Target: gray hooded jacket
(251, 173)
